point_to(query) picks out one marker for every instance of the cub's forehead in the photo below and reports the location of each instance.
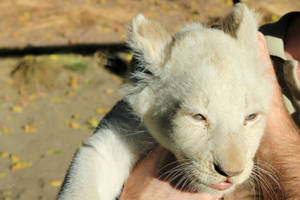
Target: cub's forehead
(207, 63)
(195, 45)
(210, 85)
(202, 55)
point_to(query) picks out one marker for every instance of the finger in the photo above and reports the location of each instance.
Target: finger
(264, 53)
(262, 44)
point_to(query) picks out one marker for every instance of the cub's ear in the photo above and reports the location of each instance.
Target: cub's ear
(149, 41)
(241, 23)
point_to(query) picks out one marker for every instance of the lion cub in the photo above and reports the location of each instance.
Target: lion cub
(201, 93)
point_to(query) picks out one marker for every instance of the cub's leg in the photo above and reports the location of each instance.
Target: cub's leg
(99, 168)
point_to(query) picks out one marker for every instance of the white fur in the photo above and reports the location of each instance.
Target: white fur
(197, 71)
(100, 166)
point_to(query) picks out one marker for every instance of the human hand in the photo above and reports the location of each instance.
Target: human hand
(278, 114)
(276, 101)
(280, 144)
(144, 184)
(277, 110)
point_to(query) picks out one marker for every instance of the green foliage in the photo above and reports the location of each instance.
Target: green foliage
(79, 66)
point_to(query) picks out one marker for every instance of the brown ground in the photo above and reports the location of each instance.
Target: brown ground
(40, 128)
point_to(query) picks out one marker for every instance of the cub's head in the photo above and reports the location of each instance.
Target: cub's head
(202, 94)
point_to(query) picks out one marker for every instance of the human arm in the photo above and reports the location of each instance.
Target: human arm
(278, 157)
(280, 146)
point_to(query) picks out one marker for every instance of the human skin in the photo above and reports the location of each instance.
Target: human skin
(279, 148)
(144, 184)
(280, 145)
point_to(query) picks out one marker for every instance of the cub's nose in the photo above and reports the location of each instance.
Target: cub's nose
(226, 173)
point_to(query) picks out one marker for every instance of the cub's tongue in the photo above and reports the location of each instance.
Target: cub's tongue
(221, 186)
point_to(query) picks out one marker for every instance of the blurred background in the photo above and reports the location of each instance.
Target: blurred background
(61, 65)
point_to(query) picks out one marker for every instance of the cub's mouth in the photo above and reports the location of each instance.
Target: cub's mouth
(216, 188)
(183, 176)
(222, 185)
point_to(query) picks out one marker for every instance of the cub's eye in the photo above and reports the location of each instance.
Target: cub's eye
(199, 117)
(251, 117)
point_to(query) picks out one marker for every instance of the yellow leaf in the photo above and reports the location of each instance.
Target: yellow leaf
(274, 18)
(102, 110)
(74, 41)
(228, 2)
(20, 165)
(75, 116)
(14, 158)
(55, 183)
(73, 82)
(69, 93)
(123, 36)
(28, 57)
(4, 154)
(128, 58)
(32, 97)
(171, 12)
(17, 109)
(87, 81)
(53, 57)
(93, 122)
(5, 130)
(7, 193)
(106, 29)
(175, 6)
(195, 15)
(15, 166)
(54, 152)
(30, 128)
(74, 125)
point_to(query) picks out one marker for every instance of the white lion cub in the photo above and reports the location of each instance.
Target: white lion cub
(201, 93)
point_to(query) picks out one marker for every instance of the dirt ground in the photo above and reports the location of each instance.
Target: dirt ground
(45, 116)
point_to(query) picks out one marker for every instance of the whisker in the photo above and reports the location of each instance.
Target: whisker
(172, 163)
(266, 180)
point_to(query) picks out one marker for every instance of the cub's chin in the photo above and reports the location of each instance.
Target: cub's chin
(180, 175)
